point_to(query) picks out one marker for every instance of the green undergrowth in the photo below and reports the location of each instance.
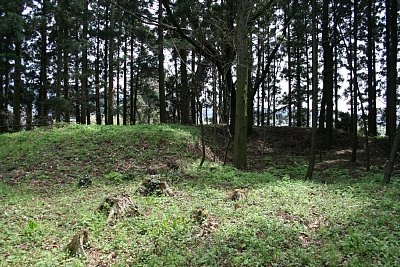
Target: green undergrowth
(284, 220)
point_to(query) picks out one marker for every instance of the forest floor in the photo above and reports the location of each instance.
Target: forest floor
(344, 216)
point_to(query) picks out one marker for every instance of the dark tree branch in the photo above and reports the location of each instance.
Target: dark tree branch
(204, 49)
(258, 13)
(271, 56)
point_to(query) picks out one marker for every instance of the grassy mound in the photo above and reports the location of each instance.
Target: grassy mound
(282, 221)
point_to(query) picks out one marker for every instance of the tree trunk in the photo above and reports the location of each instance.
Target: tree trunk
(111, 92)
(139, 62)
(328, 74)
(97, 76)
(42, 104)
(66, 48)
(355, 88)
(240, 134)
(311, 162)
(132, 119)
(298, 89)
(308, 83)
(105, 82)
(372, 127)
(85, 111)
(185, 101)
(17, 80)
(393, 153)
(2, 103)
(193, 93)
(391, 47)
(161, 74)
(125, 100)
(59, 69)
(289, 78)
(77, 94)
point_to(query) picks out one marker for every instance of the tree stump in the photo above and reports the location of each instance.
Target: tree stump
(76, 246)
(237, 194)
(118, 206)
(154, 186)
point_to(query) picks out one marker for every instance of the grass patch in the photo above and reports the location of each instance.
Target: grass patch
(282, 221)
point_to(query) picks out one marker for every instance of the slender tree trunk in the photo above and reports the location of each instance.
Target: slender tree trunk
(132, 119)
(17, 82)
(77, 93)
(372, 111)
(308, 82)
(139, 62)
(355, 89)
(298, 89)
(105, 82)
(336, 85)
(42, 109)
(59, 70)
(185, 119)
(125, 100)
(161, 74)
(111, 92)
(391, 47)
(260, 55)
(118, 72)
(29, 113)
(240, 134)
(393, 153)
(85, 111)
(328, 74)
(97, 76)
(311, 162)
(289, 78)
(365, 128)
(66, 48)
(193, 93)
(274, 95)
(2, 103)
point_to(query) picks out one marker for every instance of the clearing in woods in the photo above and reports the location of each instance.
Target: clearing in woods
(52, 182)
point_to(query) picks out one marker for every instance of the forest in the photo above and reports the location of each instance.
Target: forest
(199, 133)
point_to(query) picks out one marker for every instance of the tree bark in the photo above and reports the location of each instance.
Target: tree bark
(161, 74)
(118, 72)
(132, 119)
(125, 100)
(2, 103)
(137, 80)
(314, 67)
(355, 88)
(66, 48)
(185, 101)
(111, 92)
(289, 77)
(77, 94)
(17, 73)
(391, 47)
(328, 74)
(97, 76)
(59, 68)
(240, 134)
(299, 121)
(42, 104)
(393, 153)
(372, 111)
(85, 111)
